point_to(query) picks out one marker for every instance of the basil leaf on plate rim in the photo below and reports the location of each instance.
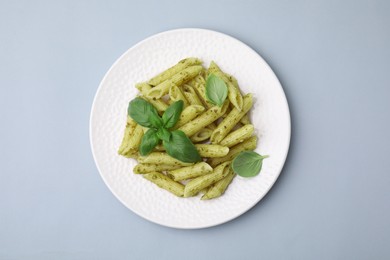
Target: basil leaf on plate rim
(248, 163)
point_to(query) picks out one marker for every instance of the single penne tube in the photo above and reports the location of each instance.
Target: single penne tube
(247, 145)
(231, 120)
(218, 188)
(232, 79)
(191, 95)
(188, 114)
(142, 168)
(166, 74)
(132, 154)
(178, 79)
(130, 127)
(204, 190)
(203, 120)
(160, 90)
(245, 120)
(194, 186)
(134, 141)
(199, 85)
(176, 94)
(234, 94)
(231, 106)
(212, 150)
(157, 103)
(161, 158)
(190, 172)
(238, 136)
(165, 183)
(202, 135)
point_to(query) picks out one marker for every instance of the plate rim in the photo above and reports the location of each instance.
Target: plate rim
(244, 45)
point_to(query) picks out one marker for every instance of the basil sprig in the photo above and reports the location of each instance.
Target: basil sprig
(216, 90)
(176, 143)
(248, 163)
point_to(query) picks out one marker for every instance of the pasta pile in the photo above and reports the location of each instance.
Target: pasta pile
(219, 132)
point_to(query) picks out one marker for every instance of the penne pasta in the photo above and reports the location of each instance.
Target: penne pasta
(157, 103)
(178, 79)
(194, 186)
(145, 168)
(247, 145)
(166, 74)
(231, 120)
(190, 172)
(176, 94)
(130, 127)
(238, 136)
(202, 135)
(219, 187)
(212, 126)
(245, 120)
(188, 114)
(132, 154)
(161, 158)
(133, 141)
(191, 95)
(199, 85)
(232, 79)
(203, 120)
(212, 150)
(165, 183)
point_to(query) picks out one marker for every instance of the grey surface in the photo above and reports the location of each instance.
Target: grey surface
(332, 198)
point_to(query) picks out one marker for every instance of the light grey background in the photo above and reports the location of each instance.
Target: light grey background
(332, 198)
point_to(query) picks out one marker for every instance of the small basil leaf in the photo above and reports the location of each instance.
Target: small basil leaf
(148, 142)
(164, 134)
(181, 148)
(140, 110)
(216, 90)
(248, 163)
(155, 120)
(172, 114)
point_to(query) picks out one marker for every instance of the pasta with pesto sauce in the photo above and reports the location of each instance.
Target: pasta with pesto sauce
(219, 133)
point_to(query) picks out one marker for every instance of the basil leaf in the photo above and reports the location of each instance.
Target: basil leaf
(172, 114)
(216, 90)
(148, 142)
(155, 120)
(248, 163)
(164, 134)
(181, 148)
(140, 111)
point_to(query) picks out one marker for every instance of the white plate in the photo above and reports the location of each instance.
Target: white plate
(270, 117)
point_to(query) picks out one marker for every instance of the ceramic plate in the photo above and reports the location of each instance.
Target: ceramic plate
(270, 116)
